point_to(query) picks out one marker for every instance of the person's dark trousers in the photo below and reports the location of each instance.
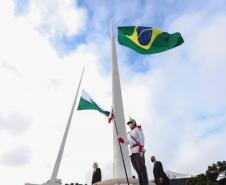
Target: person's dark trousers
(138, 164)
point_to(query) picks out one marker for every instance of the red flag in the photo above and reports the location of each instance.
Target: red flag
(111, 116)
(121, 140)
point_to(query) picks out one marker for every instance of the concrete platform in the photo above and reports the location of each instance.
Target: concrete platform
(118, 181)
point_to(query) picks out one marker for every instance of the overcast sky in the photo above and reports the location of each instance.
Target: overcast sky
(178, 96)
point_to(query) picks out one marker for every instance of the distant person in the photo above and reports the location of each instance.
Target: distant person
(96, 173)
(158, 172)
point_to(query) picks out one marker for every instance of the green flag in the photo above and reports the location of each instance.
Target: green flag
(148, 40)
(86, 103)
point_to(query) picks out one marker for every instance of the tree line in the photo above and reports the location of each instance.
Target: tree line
(215, 175)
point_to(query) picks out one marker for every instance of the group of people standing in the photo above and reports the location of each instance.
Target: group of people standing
(135, 140)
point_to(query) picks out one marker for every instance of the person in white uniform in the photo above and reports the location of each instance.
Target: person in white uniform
(136, 143)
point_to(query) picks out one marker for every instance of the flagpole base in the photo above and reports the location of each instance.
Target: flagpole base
(121, 181)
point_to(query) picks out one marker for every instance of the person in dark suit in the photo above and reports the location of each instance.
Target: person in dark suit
(96, 173)
(158, 172)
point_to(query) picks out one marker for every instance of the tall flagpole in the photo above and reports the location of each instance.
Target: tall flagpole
(118, 168)
(61, 150)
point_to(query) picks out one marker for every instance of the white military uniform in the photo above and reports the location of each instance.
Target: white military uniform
(135, 140)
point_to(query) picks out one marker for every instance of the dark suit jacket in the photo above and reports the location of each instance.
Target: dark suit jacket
(158, 172)
(96, 176)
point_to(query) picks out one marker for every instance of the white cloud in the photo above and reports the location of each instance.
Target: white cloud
(15, 123)
(42, 87)
(57, 17)
(201, 154)
(17, 157)
(177, 102)
(186, 88)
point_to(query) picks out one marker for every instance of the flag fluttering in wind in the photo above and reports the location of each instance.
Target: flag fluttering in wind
(148, 40)
(111, 116)
(87, 103)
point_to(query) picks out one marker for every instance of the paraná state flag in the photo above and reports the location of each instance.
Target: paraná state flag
(148, 40)
(87, 103)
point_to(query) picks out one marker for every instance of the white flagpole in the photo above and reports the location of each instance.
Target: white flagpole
(61, 150)
(118, 168)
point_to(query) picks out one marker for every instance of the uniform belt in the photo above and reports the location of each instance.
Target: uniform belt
(134, 145)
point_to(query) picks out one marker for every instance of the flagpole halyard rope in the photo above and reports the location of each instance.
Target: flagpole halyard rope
(116, 129)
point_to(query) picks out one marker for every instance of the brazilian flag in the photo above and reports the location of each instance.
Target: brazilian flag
(148, 40)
